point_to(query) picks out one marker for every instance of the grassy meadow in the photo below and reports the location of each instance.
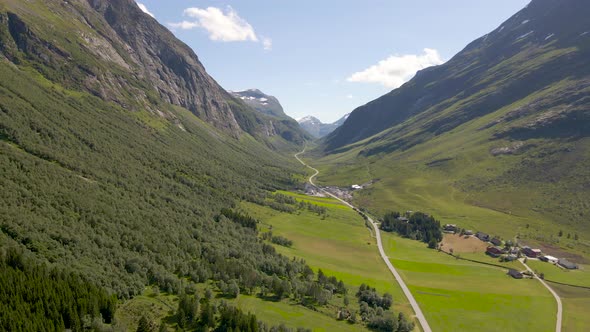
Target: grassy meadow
(576, 301)
(454, 176)
(339, 244)
(457, 295)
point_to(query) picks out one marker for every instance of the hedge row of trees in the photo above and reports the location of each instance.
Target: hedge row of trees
(420, 226)
(277, 239)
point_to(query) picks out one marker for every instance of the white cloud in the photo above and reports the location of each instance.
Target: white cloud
(349, 96)
(396, 70)
(144, 9)
(267, 44)
(226, 27)
(184, 25)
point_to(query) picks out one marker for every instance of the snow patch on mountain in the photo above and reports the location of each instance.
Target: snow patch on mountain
(525, 35)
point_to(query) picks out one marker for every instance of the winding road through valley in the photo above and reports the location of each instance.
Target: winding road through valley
(419, 315)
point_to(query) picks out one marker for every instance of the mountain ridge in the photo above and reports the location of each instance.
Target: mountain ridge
(541, 42)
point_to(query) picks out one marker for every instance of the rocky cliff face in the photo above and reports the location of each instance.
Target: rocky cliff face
(171, 67)
(118, 53)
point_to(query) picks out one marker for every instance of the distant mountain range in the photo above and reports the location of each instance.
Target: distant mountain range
(316, 128)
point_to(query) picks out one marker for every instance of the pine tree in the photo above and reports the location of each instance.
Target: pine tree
(144, 325)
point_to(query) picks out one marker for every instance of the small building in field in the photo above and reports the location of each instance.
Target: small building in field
(567, 264)
(515, 274)
(482, 236)
(532, 253)
(495, 241)
(494, 251)
(549, 259)
(450, 228)
(356, 187)
(510, 257)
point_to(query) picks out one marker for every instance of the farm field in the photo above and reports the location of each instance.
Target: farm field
(340, 245)
(576, 301)
(580, 277)
(457, 295)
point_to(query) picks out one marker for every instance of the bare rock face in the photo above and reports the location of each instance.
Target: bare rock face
(113, 50)
(118, 53)
(169, 65)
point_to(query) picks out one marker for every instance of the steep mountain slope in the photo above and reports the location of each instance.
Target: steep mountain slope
(114, 51)
(543, 45)
(317, 129)
(498, 137)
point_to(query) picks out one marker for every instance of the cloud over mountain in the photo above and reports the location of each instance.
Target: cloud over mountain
(396, 70)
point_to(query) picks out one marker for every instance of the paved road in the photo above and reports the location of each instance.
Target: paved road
(415, 306)
(559, 305)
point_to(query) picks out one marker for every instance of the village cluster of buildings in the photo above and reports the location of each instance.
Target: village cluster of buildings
(511, 252)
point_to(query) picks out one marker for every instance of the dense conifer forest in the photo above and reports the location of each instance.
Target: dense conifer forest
(37, 298)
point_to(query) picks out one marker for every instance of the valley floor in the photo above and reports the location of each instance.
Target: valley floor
(466, 296)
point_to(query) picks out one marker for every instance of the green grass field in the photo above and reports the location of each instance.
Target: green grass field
(340, 245)
(575, 300)
(580, 277)
(293, 315)
(575, 304)
(457, 295)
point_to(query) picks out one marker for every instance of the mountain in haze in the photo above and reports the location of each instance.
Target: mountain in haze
(506, 122)
(316, 128)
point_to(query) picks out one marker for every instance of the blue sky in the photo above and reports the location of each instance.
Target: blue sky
(325, 58)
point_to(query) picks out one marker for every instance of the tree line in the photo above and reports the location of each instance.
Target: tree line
(419, 226)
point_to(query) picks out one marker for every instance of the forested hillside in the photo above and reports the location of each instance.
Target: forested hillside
(118, 178)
